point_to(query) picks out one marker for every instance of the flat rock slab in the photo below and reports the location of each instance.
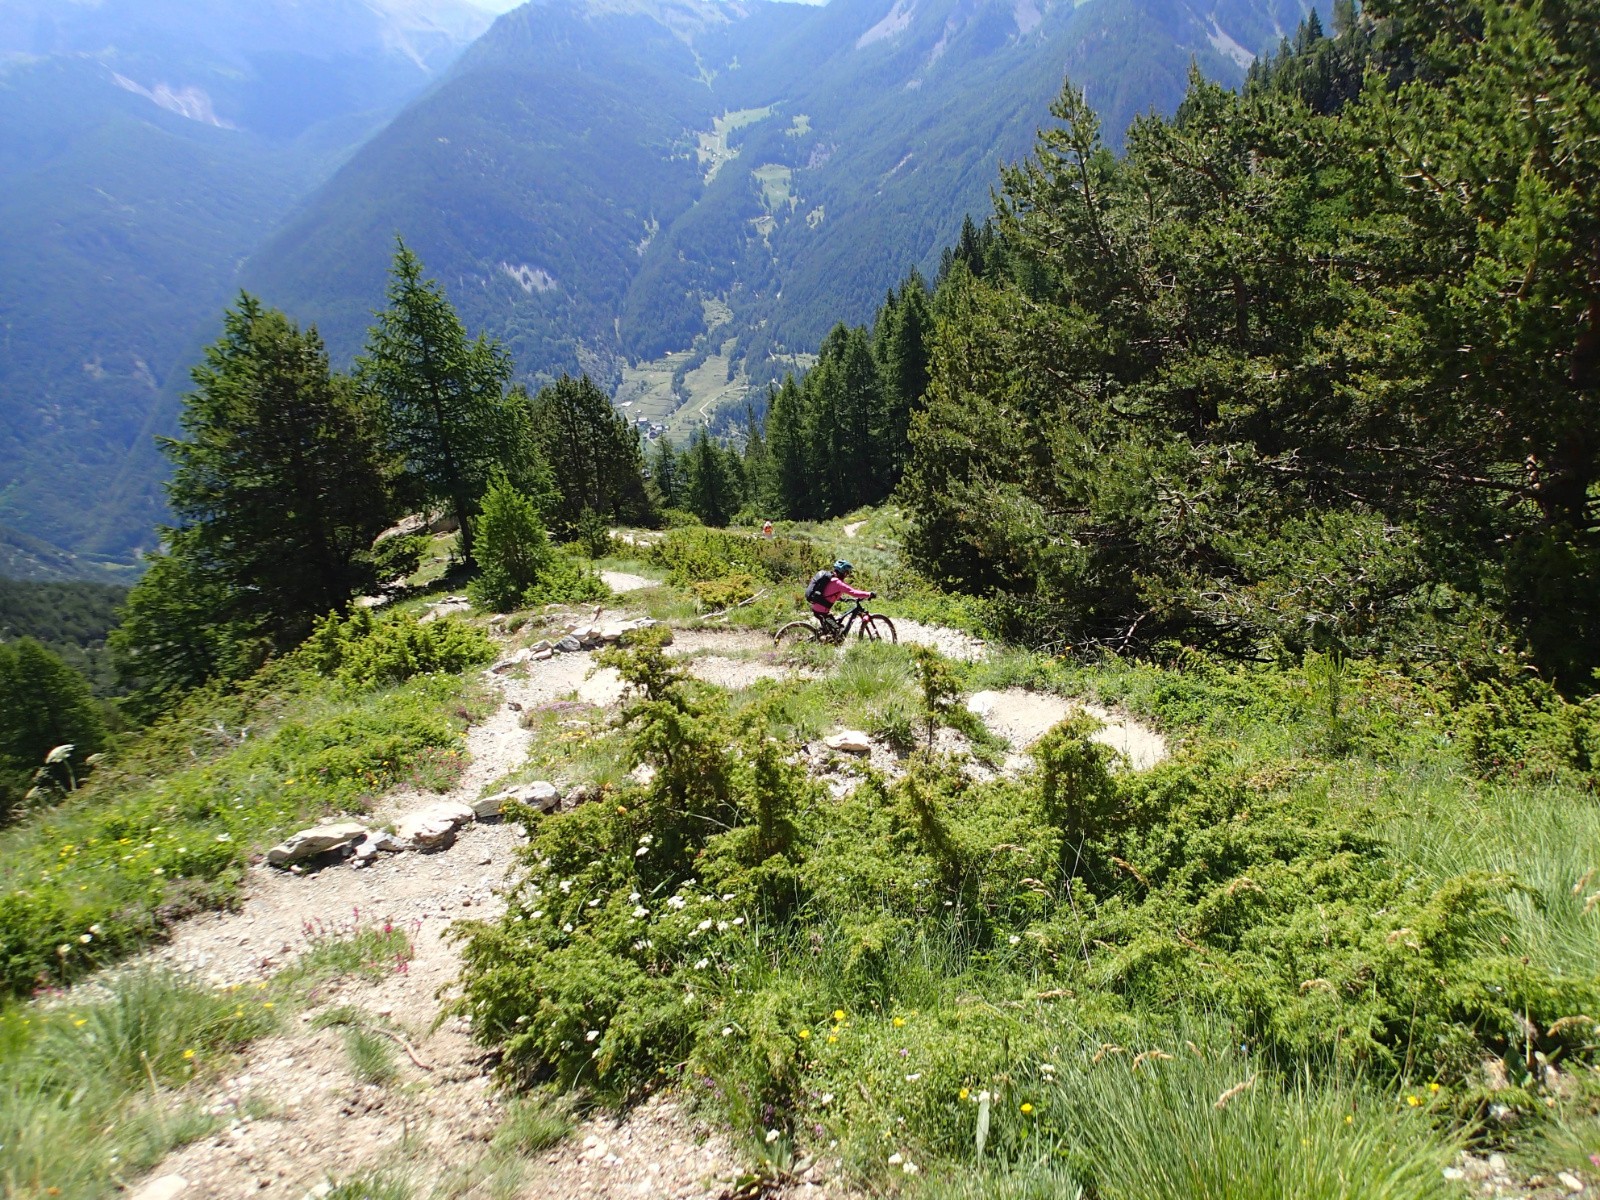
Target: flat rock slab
(433, 827)
(851, 741)
(545, 797)
(309, 843)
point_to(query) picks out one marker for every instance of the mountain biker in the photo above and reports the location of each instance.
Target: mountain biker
(827, 589)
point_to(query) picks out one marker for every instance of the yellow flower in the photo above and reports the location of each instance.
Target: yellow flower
(838, 1014)
(1027, 1108)
(1433, 1087)
(962, 1094)
(832, 1039)
(805, 1033)
(188, 1053)
(80, 1022)
(899, 1021)
(1413, 1101)
(1349, 1120)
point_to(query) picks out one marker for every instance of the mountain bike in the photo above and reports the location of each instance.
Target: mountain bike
(868, 626)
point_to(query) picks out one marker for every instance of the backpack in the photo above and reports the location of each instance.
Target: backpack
(814, 588)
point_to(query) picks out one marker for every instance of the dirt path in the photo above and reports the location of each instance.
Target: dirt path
(853, 528)
(622, 583)
(297, 1117)
(1023, 717)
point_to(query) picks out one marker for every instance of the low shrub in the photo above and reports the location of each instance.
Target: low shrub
(697, 554)
(367, 651)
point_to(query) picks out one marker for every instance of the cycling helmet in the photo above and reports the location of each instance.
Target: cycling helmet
(841, 567)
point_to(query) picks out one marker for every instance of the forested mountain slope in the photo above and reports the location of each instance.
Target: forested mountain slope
(590, 175)
(145, 147)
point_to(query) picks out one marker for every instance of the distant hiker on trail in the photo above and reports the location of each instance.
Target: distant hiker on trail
(827, 588)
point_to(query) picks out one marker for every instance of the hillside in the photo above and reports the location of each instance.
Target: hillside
(589, 177)
(1235, 925)
(145, 148)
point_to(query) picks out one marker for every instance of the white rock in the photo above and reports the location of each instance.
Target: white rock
(164, 1188)
(541, 795)
(614, 633)
(490, 806)
(543, 655)
(1570, 1181)
(309, 843)
(851, 741)
(433, 827)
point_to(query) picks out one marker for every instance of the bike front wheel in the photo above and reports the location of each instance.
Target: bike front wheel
(796, 633)
(877, 629)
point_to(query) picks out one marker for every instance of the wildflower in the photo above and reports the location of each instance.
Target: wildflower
(566, 885)
(634, 896)
(640, 913)
(729, 896)
(595, 902)
(703, 926)
(962, 1094)
(80, 1022)
(896, 1159)
(566, 927)
(899, 1021)
(727, 1031)
(536, 913)
(702, 964)
(1414, 1101)
(914, 1077)
(86, 938)
(1026, 1108)
(721, 926)
(910, 1168)
(832, 1039)
(838, 1014)
(738, 920)
(676, 901)
(1433, 1087)
(805, 1033)
(1013, 939)
(1349, 1120)
(188, 1054)
(224, 837)
(827, 1099)
(772, 1136)
(641, 851)
(591, 1035)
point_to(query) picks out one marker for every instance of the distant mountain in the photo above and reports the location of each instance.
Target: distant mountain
(591, 175)
(146, 147)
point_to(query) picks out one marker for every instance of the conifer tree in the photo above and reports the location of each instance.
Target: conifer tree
(666, 474)
(712, 489)
(279, 480)
(513, 549)
(445, 395)
(788, 441)
(594, 453)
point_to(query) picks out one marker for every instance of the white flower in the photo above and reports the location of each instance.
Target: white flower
(591, 1035)
(1013, 939)
(641, 851)
(910, 1168)
(721, 925)
(827, 1099)
(645, 839)
(914, 1078)
(772, 1136)
(729, 896)
(676, 901)
(1047, 1067)
(641, 913)
(634, 896)
(567, 928)
(566, 885)
(727, 1031)
(702, 964)
(688, 997)
(224, 837)
(595, 902)
(738, 920)
(895, 1159)
(536, 913)
(703, 926)
(86, 938)
(94, 928)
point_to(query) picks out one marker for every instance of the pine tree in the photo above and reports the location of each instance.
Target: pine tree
(788, 440)
(279, 480)
(445, 395)
(666, 474)
(711, 490)
(594, 453)
(513, 549)
(901, 350)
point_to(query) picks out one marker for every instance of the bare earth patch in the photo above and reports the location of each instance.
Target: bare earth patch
(1023, 717)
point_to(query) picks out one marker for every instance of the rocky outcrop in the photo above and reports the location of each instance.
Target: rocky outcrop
(309, 843)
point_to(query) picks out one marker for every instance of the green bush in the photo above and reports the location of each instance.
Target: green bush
(367, 651)
(697, 554)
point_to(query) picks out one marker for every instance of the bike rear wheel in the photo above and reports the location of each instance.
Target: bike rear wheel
(796, 633)
(877, 629)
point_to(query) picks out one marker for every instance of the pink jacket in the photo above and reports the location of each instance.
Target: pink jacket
(835, 590)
